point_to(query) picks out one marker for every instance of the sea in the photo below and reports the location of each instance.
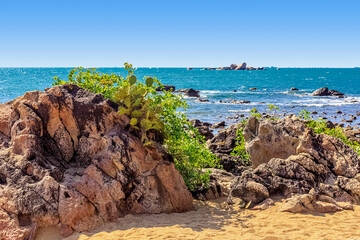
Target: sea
(221, 86)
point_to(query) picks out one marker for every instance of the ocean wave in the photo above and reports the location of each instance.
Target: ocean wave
(242, 110)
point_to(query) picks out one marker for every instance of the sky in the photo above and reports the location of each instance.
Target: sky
(291, 33)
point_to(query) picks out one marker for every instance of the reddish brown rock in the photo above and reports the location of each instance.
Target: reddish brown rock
(288, 158)
(68, 160)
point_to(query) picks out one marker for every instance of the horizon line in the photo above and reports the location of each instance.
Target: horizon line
(161, 67)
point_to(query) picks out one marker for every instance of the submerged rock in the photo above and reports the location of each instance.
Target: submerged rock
(68, 160)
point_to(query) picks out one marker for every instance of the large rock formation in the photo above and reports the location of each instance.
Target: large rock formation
(68, 160)
(241, 66)
(289, 159)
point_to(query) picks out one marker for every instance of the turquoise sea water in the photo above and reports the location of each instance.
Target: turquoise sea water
(273, 87)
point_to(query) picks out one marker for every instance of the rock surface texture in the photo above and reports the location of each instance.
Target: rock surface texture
(222, 145)
(68, 160)
(316, 172)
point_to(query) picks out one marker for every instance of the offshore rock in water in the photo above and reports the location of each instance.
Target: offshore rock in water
(326, 92)
(68, 160)
(241, 66)
(316, 171)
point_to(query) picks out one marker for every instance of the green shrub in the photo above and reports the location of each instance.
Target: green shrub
(239, 150)
(319, 126)
(152, 113)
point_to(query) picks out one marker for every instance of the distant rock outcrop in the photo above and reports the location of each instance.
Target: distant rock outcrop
(316, 172)
(326, 92)
(68, 160)
(233, 66)
(236, 67)
(241, 66)
(189, 92)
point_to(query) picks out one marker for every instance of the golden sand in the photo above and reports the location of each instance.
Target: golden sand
(216, 220)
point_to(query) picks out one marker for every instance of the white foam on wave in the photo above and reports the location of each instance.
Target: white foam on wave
(319, 102)
(210, 91)
(237, 111)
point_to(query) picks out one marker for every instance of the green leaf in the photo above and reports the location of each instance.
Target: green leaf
(132, 79)
(136, 113)
(137, 102)
(149, 81)
(127, 101)
(146, 124)
(133, 121)
(122, 111)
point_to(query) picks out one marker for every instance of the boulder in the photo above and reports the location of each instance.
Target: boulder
(222, 145)
(233, 66)
(203, 128)
(313, 202)
(326, 92)
(219, 185)
(219, 124)
(202, 100)
(68, 160)
(294, 89)
(241, 66)
(289, 159)
(189, 92)
(224, 141)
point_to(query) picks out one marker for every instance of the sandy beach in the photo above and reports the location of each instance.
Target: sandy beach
(217, 220)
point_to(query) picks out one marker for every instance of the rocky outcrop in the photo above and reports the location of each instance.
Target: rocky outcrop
(219, 125)
(203, 128)
(68, 160)
(290, 160)
(233, 66)
(241, 66)
(236, 67)
(189, 92)
(222, 145)
(326, 92)
(219, 185)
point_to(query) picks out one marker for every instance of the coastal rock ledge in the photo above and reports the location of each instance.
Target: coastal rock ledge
(315, 172)
(68, 160)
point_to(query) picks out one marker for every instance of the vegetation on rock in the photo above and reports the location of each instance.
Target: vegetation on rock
(320, 126)
(152, 114)
(239, 149)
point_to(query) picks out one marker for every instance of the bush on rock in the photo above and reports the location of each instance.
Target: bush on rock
(153, 116)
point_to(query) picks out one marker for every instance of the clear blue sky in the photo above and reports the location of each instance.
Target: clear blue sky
(180, 33)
